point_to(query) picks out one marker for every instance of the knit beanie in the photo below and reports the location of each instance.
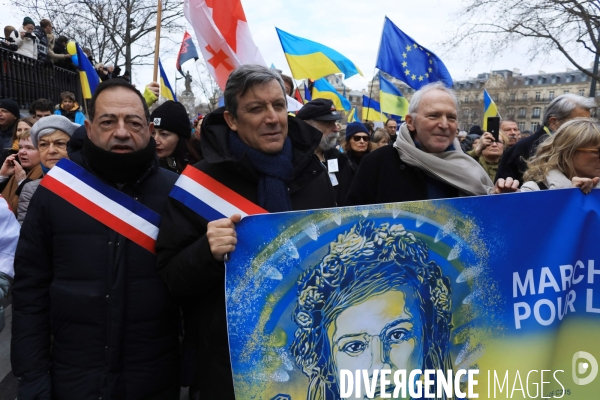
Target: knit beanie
(11, 106)
(355, 127)
(47, 125)
(27, 21)
(173, 117)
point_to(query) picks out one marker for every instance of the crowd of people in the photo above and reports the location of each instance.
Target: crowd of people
(40, 43)
(118, 289)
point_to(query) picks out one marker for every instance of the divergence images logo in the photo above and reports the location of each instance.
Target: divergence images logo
(584, 366)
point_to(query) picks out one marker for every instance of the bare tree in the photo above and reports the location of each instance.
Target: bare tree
(112, 29)
(206, 86)
(569, 26)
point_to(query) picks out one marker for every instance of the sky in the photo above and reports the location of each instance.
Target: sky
(353, 28)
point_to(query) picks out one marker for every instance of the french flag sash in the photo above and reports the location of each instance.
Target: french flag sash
(104, 203)
(209, 198)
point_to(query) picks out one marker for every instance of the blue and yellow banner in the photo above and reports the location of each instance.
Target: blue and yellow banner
(391, 98)
(489, 108)
(322, 89)
(165, 86)
(87, 74)
(352, 116)
(371, 110)
(455, 284)
(404, 59)
(308, 59)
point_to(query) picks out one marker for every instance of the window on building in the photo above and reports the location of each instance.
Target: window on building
(583, 77)
(511, 112)
(476, 97)
(495, 98)
(466, 98)
(466, 113)
(569, 78)
(538, 96)
(525, 96)
(566, 91)
(535, 126)
(551, 95)
(555, 79)
(513, 96)
(522, 112)
(582, 92)
(521, 126)
(541, 80)
(528, 81)
(474, 114)
(536, 112)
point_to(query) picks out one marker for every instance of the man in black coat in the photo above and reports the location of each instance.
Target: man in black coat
(254, 148)
(426, 162)
(321, 114)
(562, 109)
(90, 285)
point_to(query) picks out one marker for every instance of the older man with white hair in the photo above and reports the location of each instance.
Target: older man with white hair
(426, 161)
(562, 109)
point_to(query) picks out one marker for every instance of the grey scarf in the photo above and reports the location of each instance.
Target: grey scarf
(452, 167)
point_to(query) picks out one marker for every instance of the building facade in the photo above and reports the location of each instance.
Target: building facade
(521, 97)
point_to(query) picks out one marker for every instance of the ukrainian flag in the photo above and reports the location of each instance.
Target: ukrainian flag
(324, 90)
(352, 116)
(165, 87)
(87, 74)
(489, 108)
(308, 59)
(371, 111)
(391, 98)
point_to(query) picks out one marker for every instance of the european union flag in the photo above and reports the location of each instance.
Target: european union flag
(403, 58)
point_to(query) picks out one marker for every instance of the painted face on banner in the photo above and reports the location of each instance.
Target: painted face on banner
(382, 332)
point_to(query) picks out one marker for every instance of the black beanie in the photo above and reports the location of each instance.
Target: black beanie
(173, 117)
(11, 106)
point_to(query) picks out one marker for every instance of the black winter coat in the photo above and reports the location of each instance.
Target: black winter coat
(42, 44)
(383, 177)
(344, 175)
(185, 260)
(514, 161)
(114, 323)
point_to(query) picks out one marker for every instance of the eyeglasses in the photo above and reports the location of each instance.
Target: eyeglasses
(589, 150)
(357, 138)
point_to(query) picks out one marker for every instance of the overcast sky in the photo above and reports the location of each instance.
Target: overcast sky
(353, 27)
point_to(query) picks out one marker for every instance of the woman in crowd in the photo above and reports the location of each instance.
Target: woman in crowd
(18, 169)
(357, 144)
(27, 41)
(50, 136)
(22, 126)
(175, 145)
(568, 158)
(10, 39)
(70, 108)
(489, 152)
(380, 138)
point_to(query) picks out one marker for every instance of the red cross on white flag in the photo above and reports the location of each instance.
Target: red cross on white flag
(223, 36)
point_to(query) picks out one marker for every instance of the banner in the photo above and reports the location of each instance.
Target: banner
(502, 290)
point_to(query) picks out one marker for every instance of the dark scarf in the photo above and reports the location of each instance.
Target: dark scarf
(116, 167)
(275, 170)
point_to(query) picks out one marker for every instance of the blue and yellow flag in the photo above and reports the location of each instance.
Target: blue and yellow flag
(352, 116)
(308, 59)
(324, 90)
(391, 98)
(371, 111)
(403, 58)
(87, 74)
(489, 109)
(165, 86)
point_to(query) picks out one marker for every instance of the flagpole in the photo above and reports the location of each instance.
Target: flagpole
(157, 40)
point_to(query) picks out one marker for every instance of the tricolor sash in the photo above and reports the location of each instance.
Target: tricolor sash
(209, 198)
(104, 203)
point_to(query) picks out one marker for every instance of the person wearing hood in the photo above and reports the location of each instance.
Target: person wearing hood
(172, 132)
(9, 115)
(50, 136)
(27, 41)
(426, 162)
(91, 317)
(70, 108)
(253, 148)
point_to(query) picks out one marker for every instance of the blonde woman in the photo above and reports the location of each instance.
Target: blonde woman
(569, 158)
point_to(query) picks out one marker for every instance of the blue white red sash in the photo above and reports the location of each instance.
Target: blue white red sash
(104, 203)
(209, 198)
